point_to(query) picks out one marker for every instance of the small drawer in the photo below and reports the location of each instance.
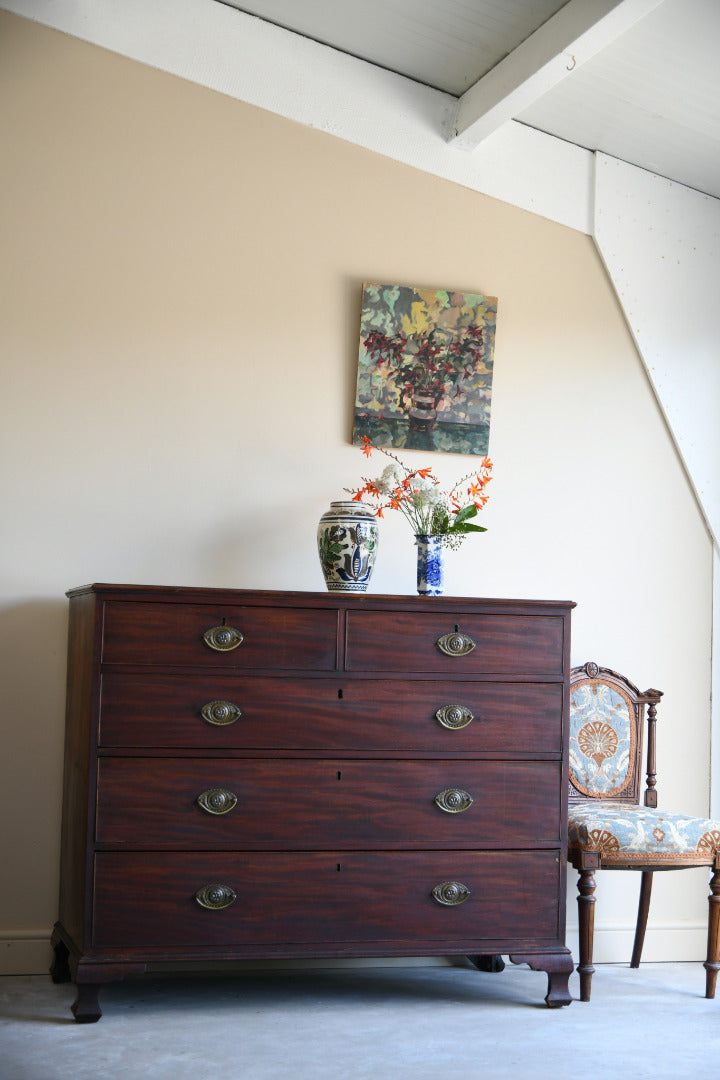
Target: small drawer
(334, 714)
(343, 900)
(461, 643)
(228, 636)
(356, 804)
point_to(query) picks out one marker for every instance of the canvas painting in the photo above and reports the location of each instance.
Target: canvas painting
(425, 368)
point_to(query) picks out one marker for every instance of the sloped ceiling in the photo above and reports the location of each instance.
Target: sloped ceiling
(638, 80)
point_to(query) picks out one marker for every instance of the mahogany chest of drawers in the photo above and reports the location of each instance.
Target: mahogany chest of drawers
(282, 775)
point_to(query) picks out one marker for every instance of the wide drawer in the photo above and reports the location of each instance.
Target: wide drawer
(325, 898)
(498, 644)
(329, 714)
(323, 804)
(173, 635)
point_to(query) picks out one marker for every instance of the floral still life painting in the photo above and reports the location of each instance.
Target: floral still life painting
(425, 368)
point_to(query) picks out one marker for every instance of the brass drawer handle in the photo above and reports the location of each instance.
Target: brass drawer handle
(454, 800)
(223, 638)
(454, 716)
(455, 644)
(220, 713)
(217, 801)
(450, 893)
(215, 897)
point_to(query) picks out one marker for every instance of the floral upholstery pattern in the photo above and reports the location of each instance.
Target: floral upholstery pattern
(602, 739)
(624, 833)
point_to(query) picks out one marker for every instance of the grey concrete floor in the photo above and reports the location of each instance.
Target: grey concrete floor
(388, 1023)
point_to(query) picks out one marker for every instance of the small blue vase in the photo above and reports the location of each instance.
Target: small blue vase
(430, 565)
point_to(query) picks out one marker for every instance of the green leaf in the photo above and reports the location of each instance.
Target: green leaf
(466, 512)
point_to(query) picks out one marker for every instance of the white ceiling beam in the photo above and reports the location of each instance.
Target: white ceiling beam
(576, 33)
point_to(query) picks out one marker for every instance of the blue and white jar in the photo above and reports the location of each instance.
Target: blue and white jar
(347, 540)
(430, 565)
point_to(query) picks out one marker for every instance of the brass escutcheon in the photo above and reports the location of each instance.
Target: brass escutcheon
(215, 897)
(217, 801)
(455, 644)
(223, 638)
(221, 713)
(454, 800)
(454, 716)
(451, 893)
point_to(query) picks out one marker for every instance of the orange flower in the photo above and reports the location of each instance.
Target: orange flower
(425, 506)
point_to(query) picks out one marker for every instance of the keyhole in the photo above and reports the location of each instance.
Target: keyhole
(339, 774)
(457, 628)
(338, 867)
(340, 694)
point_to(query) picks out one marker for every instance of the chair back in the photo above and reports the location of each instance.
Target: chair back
(607, 714)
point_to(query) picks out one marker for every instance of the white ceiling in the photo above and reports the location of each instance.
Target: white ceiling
(636, 79)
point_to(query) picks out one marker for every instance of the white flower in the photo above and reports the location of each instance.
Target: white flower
(426, 493)
(391, 477)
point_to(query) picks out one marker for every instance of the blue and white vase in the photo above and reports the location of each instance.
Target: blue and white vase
(347, 540)
(430, 565)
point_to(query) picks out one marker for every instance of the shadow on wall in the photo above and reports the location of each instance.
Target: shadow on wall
(33, 645)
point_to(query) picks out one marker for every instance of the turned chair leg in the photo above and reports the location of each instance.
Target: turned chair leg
(712, 964)
(643, 909)
(586, 920)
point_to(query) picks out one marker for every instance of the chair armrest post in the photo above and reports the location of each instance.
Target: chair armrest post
(651, 699)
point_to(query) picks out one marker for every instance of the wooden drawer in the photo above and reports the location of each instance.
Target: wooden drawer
(325, 899)
(406, 641)
(172, 635)
(329, 714)
(324, 804)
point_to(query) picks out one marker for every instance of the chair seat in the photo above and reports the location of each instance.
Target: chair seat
(627, 833)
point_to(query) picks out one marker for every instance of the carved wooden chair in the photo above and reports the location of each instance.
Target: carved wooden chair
(607, 827)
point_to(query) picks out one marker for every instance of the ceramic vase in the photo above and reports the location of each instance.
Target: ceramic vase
(423, 413)
(430, 565)
(347, 544)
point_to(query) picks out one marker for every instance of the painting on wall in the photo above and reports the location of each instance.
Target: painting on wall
(425, 368)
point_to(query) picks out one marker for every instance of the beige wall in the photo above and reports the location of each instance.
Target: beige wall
(181, 290)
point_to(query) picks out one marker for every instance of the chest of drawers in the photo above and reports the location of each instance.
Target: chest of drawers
(282, 775)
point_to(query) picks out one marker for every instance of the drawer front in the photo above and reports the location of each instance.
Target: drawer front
(310, 804)
(329, 714)
(246, 637)
(325, 898)
(501, 644)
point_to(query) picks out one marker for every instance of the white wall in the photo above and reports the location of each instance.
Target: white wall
(660, 243)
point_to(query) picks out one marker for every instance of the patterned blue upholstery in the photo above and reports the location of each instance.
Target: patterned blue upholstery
(602, 739)
(636, 833)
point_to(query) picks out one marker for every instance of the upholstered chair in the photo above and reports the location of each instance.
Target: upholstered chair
(608, 829)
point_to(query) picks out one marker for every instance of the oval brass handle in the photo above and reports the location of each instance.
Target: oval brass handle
(217, 801)
(454, 716)
(450, 893)
(220, 713)
(215, 897)
(223, 638)
(455, 644)
(454, 800)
